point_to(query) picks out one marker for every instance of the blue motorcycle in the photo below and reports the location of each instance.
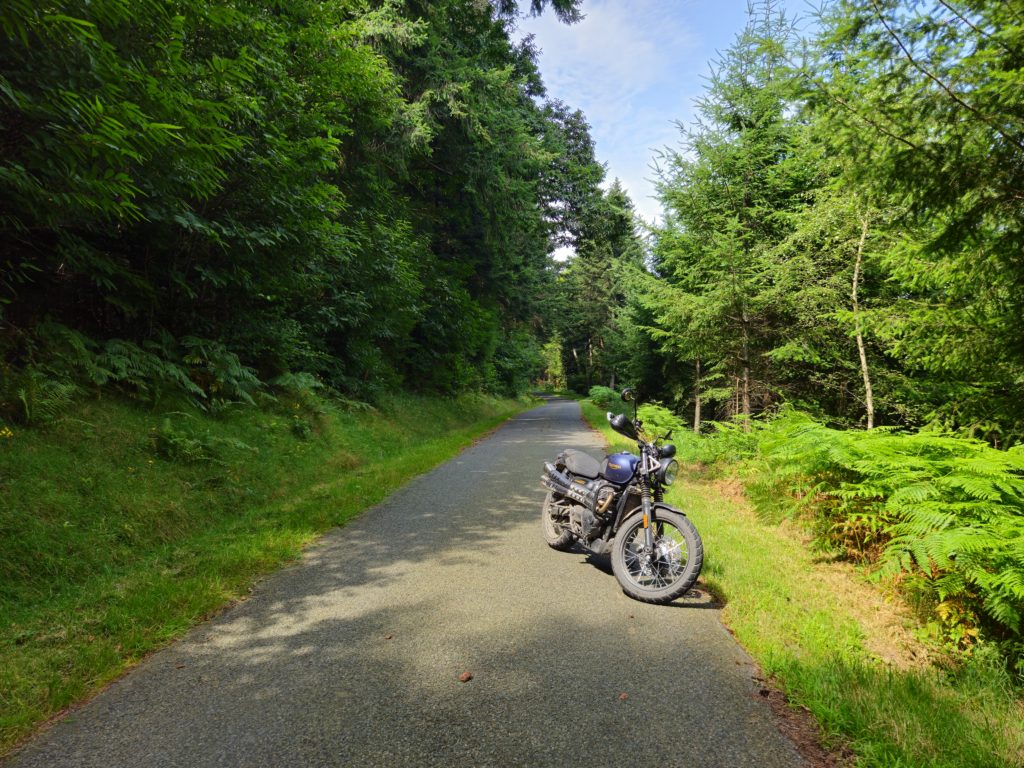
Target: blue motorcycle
(617, 506)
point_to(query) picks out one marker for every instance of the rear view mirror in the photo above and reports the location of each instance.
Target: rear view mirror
(627, 394)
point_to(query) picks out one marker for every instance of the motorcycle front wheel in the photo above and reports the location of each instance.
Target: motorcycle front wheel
(556, 529)
(668, 571)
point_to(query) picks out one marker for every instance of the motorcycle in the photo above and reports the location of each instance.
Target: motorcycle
(618, 506)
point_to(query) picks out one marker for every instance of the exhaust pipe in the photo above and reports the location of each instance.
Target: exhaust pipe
(556, 481)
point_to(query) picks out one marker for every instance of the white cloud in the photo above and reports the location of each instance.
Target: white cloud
(634, 69)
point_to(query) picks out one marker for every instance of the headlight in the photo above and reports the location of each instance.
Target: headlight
(667, 473)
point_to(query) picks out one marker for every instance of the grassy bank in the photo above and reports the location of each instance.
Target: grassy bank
(839, 647)
(122, 527)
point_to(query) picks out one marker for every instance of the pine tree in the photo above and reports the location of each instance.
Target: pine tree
(725, 193)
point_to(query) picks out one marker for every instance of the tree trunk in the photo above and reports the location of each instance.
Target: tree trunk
(696, 400)
(869, 401)
(611, 384)
(590, 362)
(746, 371)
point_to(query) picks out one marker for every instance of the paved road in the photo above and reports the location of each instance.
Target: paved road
(353, 656)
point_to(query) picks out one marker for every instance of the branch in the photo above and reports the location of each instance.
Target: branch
(938, 82)
(976, 28)
(846, 105)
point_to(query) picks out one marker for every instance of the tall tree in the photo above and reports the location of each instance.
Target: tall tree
(356, 190)
(592, 322)
(923, 98)
(725, 194)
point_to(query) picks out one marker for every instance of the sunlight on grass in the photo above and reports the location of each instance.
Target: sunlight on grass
(109, 549)
(806, 622)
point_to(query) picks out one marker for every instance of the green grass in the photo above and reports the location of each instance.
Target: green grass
(120, 527)
(801, 619)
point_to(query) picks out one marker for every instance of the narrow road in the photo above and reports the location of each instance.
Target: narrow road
(353, 656)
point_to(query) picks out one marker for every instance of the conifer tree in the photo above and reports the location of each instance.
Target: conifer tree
(725, 194)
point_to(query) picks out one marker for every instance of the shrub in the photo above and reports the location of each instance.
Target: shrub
(944, 514)
(603, 397)
(658, 420)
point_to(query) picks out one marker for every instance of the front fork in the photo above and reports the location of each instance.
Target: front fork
(647, 508)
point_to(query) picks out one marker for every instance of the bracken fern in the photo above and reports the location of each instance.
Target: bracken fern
(946, 512)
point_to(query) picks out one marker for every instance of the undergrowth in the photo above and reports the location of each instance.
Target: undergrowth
(940, 515)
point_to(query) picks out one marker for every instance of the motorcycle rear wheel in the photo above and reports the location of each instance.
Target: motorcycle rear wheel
(666, 573)
(556, 534)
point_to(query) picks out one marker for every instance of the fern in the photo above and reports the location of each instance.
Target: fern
(141, 371)
(43, 399)
(944, 511)
(659, 420)
(176, 444)
(219, 371)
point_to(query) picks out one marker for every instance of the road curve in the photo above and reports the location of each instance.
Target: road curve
(352, 657)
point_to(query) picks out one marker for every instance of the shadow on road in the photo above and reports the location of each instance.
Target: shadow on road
(353, 657)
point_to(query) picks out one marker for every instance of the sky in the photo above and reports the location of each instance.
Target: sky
(635, 68)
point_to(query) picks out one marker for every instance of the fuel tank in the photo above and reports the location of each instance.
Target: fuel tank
(619, 467)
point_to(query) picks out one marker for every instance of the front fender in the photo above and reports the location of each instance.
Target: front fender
(669, 507)
(628, 513)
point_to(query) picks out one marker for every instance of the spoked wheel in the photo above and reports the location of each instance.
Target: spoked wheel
(661, 575)
(555, 519)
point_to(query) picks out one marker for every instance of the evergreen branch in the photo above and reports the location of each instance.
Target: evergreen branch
(949, 91)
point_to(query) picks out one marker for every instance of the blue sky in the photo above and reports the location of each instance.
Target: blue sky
(635, 67)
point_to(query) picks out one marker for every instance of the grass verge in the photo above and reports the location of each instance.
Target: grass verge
(120, 528)
(814, 627)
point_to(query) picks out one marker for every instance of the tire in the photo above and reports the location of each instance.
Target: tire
(555, 534)
(675, 568)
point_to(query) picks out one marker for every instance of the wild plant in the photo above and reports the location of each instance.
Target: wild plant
(944, 514)
(604, 397)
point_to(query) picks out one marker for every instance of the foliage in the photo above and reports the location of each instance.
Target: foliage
(659, 420)
(944, 514)
(727, 192)
(592, 318)
(208, 196)
(922, 100)
(176, 443)
(41, 399)
(554, 369)
(604, 397)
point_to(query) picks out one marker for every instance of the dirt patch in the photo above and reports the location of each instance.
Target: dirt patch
(798, 725)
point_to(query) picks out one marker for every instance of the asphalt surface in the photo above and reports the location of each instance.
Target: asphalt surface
(352, 657)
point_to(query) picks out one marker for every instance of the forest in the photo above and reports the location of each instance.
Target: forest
(208, 204)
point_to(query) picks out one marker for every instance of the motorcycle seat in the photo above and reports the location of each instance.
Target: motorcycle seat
(580, 463)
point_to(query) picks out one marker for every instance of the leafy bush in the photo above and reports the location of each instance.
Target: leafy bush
(658, 420)
(203, 372)
(604, 397)
(728, 445)
(943, 514)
